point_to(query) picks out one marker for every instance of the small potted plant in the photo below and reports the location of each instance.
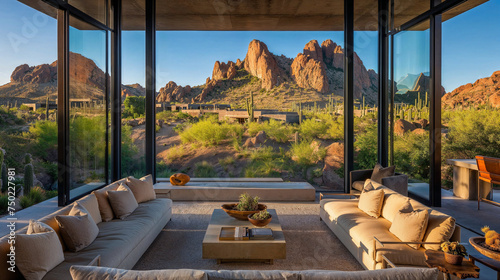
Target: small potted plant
(454, 252)
(246, 206)
(260, 219)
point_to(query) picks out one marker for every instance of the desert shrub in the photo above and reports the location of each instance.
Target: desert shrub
(45, 135)
(274, 129)
(312, 128)
(176, 152)
(131, 162)
(50, 194)
(26, 201)
(36, 194)
(229, 160)
(204, 170)
(24, 108)
(411, 155)
(134, 106)
(210, 133)
(165, 116)
(305, 153)
(366, 147)
(263, 154)
(336, 128)
(471, 133)
(4, 203)
(265, 168)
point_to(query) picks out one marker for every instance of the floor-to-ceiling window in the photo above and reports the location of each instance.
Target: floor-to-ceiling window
(133, 92)
(232, 102)
(87, 102)
(28, 102)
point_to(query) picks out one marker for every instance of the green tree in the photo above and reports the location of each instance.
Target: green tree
(135, 106)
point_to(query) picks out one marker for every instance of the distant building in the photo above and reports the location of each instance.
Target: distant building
(241, 116)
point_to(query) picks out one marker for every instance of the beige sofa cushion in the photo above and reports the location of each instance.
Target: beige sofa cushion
(402, 273)
(371, 201)
(142, 188)
(358, 185)
(102, 199)
(97, 273)
(393, 202)
(38, 251)
(122, 201)
(439, 229)
(90, 203)
(409, 225)
(252, 274)
(78, 229)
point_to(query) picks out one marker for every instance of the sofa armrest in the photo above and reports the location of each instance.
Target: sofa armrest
(388, 262)
(383, 243)
(322, 195)
(360, 175)
(397, 183)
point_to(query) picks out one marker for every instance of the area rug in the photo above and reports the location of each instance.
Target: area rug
(310, 243)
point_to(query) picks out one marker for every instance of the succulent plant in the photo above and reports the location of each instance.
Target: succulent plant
(247, 203)
(492, 238)
(262, 215)
(454, 248)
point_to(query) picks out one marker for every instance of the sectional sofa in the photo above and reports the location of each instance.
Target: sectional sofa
(119, 243)
(370, 240)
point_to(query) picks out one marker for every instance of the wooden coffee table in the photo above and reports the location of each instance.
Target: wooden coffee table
(246, 251)
(436, 259)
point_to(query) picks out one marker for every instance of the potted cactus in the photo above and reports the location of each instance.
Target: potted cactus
(454, 252)
(260, 219)
(247, 205)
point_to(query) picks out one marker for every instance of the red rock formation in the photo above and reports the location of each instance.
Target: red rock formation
(313, 50)
(223, 70)
(239, 64)
(133, 90)
(328, 49)
(402, 126)
(483, 91)
(338, 58)
(309, 73)
(171, 92)
(261, 63)
(39, 74)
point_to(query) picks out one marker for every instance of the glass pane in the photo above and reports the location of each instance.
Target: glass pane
(365, 91)
(411, 108)
(205, 129)
(28, 99)
(94, 8)
(134, 96)
(471, 107)
(87, 133)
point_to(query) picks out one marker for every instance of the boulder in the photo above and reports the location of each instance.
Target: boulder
(334, 157)
(419, 131)
(401, 127)
(257, 140)
(331, 179)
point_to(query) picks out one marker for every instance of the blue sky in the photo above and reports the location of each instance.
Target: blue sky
(471, 44)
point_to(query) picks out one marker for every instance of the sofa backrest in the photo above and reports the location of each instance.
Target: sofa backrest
(406, 273)
(49, 220)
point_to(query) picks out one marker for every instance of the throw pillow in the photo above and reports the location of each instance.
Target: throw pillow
(380, 172)
(409, 225)
(78, 229)
(370, 202)
(439, 229)
(142, 188)
(38, 251)
(102, 199)
(393, 202)
(90, 203)
(122, 201)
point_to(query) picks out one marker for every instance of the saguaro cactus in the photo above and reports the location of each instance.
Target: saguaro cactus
(47, 108)
(250, 108)
(29, 174)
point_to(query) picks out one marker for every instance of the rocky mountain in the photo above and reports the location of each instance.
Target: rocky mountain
(482, 92)
(133, 90)
(317, 70)
(35, 83)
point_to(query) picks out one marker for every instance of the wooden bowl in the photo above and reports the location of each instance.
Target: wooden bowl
(480, 246)
(240, 215)
(260, 223)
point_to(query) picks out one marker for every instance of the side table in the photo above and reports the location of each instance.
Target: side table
(436, 259)
(490, 263)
